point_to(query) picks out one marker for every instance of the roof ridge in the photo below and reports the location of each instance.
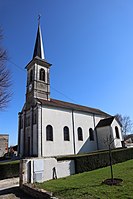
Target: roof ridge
(76, 104)
(72, 106)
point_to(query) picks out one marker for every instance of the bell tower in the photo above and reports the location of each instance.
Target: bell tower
(38, 71)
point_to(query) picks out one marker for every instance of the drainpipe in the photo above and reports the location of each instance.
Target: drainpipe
(74, 148)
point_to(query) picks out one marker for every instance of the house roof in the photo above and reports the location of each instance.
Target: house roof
(71, 106)
(126, 137)
(105, 122)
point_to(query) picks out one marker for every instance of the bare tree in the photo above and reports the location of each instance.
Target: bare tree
(5, 94)
(126, 123)
(108, 141)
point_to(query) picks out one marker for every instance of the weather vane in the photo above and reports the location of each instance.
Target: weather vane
(39, 16)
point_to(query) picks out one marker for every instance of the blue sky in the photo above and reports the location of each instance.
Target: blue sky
(88, 42)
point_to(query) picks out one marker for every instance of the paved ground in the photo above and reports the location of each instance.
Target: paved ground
(9, 189)
(9, 182)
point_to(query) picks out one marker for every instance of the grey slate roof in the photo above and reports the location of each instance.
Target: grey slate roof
(38, 49)
(71, 106)
(105, 122)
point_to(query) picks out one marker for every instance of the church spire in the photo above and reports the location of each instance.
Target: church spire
(38, 49)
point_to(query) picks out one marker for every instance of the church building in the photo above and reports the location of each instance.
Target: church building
(50, 127)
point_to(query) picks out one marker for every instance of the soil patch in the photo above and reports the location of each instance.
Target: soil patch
(114, 181)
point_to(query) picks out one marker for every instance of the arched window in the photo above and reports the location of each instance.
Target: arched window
(66, 133)
(80, 134)
(42, 75)
(117, 132)
(31, 75)
(49, 133)
(91, 134)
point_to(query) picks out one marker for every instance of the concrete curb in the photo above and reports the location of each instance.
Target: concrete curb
(37, 193)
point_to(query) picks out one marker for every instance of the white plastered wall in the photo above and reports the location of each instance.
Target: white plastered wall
(58, 118)
(103, 134)
(85, 121)
(43, 167)
(117, 141)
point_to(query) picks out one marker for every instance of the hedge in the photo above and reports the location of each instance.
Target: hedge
(9, 170)
(101, 159)
(83, 162)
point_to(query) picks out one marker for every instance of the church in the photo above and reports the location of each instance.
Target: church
(50, 127)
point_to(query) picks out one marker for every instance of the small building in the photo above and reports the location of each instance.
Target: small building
(13, 150)
(3, 144)
(109, 133)
(128, 140)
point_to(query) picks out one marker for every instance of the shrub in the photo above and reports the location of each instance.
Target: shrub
(9, 170)
(101, 159)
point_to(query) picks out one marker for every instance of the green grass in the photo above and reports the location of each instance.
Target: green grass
(88, 185)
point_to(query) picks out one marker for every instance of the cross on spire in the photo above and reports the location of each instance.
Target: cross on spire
(39, 17)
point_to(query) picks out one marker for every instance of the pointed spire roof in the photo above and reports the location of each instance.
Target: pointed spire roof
(38, 49)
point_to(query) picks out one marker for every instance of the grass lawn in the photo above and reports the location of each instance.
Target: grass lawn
(88, 185)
